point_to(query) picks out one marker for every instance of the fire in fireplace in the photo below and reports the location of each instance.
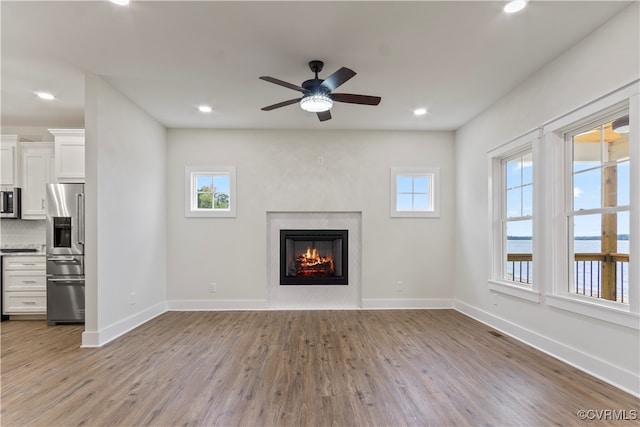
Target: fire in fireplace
(314, 257)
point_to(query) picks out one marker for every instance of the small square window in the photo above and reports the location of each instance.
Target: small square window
(414, 192)
(210, 191)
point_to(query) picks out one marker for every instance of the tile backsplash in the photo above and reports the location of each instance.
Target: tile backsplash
(21, 233)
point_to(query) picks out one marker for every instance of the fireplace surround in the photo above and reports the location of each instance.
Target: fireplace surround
(314, 257)
(319, 296)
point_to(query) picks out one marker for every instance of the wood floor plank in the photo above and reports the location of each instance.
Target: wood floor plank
(291, 368)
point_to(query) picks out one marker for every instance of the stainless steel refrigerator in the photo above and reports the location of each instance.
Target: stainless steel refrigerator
(65, 253)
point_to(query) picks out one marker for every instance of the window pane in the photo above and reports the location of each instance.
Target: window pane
(204, 183)
(514, 199)
(205, 200)
(587, 151)
(421, 184)
(527, 200)
(623, 232)
(404, 184)
(527, 168)
(221, 183)
(404, 202)
(616, 144)
(519, 256)
(623, 183)
(513, 171)
(587, 228)
(587, 190)
(221, 201)
(421, 202)
(600, 267)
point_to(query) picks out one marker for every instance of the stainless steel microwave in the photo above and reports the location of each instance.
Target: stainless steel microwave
(10, 203)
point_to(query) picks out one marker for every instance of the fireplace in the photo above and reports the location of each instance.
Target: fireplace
(314, 257)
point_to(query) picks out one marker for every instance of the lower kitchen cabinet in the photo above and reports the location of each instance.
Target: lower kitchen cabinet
(25, 285)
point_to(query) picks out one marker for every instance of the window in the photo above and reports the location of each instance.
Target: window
(597, 211)
(414, 192)
(594, 220)
(210, 191)
(513, 167)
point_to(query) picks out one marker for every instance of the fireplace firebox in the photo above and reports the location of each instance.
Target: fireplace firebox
(314, 257)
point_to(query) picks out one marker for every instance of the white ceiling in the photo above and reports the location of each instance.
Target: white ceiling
(455, 58)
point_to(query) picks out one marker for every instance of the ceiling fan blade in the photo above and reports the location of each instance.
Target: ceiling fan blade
(337, 78)
(283, 83)
(324, 115)
(356, 99)
(281, 104)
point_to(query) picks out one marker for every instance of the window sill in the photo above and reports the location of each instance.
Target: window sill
(617, 315)
(515, 291)
(210, 214)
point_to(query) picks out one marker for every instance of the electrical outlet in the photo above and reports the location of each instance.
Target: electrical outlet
(495, 299)
(213, 287)
(399, 286)
(320, 160)
(132, 298)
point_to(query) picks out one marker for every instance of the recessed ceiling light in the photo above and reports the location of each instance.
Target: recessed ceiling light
(45, 95)
(205, 109)
(515, 6)
(420, 111)
(120, 2)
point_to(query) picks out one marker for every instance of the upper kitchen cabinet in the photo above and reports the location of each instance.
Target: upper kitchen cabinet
(9, 158)
(69, 154)
(38, 169)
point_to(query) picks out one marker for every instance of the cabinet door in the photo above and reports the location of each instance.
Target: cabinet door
(8, 151)
(36, 173)
(70, 161)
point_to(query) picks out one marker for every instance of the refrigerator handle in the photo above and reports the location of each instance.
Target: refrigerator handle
(80, 208)
(1, 201)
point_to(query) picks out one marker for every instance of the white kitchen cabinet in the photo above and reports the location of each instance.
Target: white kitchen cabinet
(25, 286)
(69, 154)
(38, 170)
(9, 159)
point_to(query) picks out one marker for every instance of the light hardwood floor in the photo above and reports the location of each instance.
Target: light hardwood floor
(290, 368)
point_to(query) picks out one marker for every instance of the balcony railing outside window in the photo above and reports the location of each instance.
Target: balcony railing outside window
(588, 273)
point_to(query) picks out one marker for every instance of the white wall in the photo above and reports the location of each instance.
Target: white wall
(279, 171)
(604, 61)
(126, 169)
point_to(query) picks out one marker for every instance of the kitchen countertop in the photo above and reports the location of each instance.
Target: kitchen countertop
(39, 250)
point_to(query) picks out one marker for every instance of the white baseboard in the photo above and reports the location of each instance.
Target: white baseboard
(99, 338)
(407, 303)
(217, 305)
(614, 375)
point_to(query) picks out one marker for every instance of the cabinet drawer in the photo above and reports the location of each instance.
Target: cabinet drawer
(25, 262)
(25, 281)
(25, 302)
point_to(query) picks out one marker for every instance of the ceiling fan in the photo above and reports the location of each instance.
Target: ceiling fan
(317, 96)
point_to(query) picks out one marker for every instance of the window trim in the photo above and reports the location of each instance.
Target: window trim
(190, 193)
(528, 142)
(557, 295)
(434, 197)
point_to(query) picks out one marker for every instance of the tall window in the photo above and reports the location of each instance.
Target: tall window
(513, 211)
(598, 208)
(210, 191)
(517, 217)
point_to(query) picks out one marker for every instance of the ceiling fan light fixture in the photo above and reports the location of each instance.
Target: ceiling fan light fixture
(45, 95)
(621, 125)
(515, 6)
(316, 103)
